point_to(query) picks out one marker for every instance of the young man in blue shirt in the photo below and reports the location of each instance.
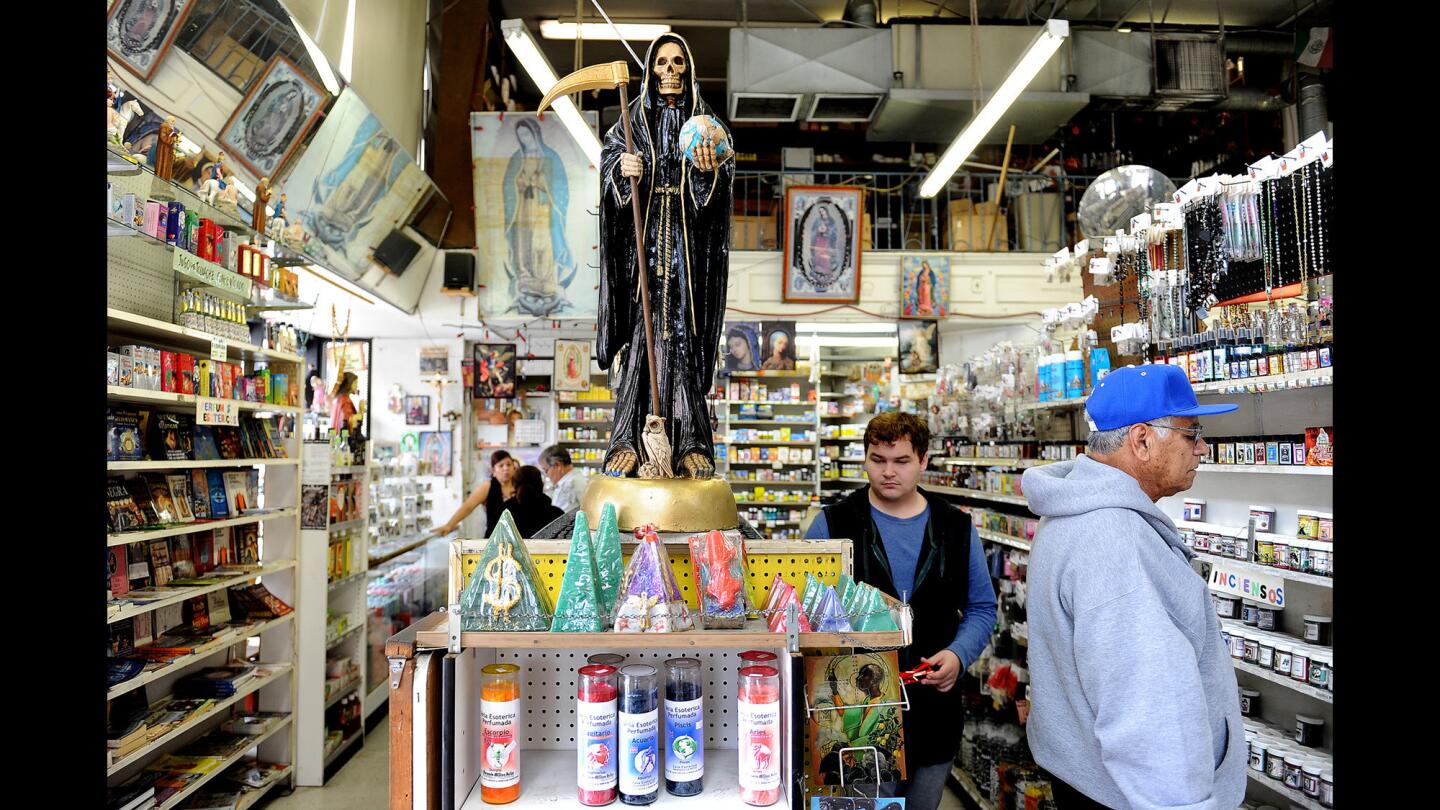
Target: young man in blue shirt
(911, 543)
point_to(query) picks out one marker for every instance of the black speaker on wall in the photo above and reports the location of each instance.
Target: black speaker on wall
(459, 276)
(396, 252)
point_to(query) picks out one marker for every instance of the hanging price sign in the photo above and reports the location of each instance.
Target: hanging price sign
(216, 411)
(219, 350)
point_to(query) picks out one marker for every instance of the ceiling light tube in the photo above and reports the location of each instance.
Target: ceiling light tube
(527, 51)
(342, 284)
(803, 341)
(554, 29)
(317, 56)
(1036, 56)
(843, 327)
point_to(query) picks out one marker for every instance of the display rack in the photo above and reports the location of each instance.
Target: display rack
(142, 283)
(782, 456)
(335, 559)
(592, 435)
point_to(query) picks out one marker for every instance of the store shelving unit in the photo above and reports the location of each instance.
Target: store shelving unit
(327, 542)
(587, 439)
(967, 784)
(142, 282)
(801, 411)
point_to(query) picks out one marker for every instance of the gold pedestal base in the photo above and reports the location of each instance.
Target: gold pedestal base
(672, 504)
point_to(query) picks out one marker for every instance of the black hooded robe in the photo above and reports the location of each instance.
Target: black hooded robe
(686, 216)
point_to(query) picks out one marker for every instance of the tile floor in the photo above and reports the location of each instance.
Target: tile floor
(362, 784)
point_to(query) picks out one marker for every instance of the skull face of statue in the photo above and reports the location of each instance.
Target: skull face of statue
(670, 67)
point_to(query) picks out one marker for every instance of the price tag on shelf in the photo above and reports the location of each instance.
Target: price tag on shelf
(216, 411)
(219, 349)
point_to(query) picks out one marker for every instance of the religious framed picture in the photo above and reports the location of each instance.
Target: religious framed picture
(434, 361)
(272, 118)
(924, 285)
(494, 371)
(572, 365)
(741, 350)
(854, 701)
(139, 32)
(534, 189)
(822, 244)
(777, 352)
(417, 410)
(436, 448)
(919, 347)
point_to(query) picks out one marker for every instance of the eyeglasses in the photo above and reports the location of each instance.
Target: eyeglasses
(1193, 435)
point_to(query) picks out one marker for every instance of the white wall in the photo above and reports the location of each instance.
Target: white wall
(398, 361)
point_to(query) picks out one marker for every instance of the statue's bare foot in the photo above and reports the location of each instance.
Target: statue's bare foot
(622, 462)
(697, 465)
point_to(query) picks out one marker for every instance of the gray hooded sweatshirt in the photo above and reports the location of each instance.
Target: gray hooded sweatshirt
(1133, 701)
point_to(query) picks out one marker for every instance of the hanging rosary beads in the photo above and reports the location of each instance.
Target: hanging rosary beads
(1205, 242)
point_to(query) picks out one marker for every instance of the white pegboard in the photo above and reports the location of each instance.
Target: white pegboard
(548, 685)
(139, 278)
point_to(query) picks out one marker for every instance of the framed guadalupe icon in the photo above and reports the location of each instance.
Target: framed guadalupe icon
(138, 33)
(273, 117)
(572, 365)
(924, 285)
(822, 244)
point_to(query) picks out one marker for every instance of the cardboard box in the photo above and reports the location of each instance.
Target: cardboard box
(749, 232)
(969, 222)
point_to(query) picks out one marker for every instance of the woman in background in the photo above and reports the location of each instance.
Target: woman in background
(493, 492)
(531, 507)
(342, 410)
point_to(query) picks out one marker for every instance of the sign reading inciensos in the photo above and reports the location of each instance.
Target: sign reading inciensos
(1247, 585)
(216, 411)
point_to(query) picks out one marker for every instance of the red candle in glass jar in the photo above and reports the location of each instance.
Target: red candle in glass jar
(760, 739)
(595, 735)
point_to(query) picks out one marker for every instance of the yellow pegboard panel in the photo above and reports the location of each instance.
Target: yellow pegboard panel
(763, 567)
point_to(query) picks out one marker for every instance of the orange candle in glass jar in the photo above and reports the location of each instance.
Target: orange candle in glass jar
(760, 735)
(499, 735)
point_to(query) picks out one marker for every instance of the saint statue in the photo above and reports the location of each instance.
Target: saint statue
(262, 196)
(684, 195)
(165, 145)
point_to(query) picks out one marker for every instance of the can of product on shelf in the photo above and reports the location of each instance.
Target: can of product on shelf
(1310, 779)
(1265, 617)
(1195, 509)
(499, 738)
(1293, 763)
(1327, 527)
(1327, 788)
(1267, 654)
(1300, 664)
(1226, 607)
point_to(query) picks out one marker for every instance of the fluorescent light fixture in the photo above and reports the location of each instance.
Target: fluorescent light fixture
(523, 45)
(344, 284)
(1124, 30)
(347, 45)
(554, 29)
(317, 57)
(844, 327)
(1041, 49)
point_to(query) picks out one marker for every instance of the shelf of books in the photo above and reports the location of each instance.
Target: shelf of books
(202, 539)
(583, 420)
(335, 518)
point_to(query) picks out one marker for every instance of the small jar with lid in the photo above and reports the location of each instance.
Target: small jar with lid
(1247, 613)
(1327, 788)
(1300, 664)
(1237, 644)
(1258, 750)
(1292, 773)
(1267, 654)
(1320, 669)
(1282, 553)
(1240, 548)
(1318, 629)
(1320, 559)
(1283, 654)
(1226, 607)
(1310, 778)
(1308, 524)
(1249, 703)
(1275, 763)
(1194, 510)
(1264, 518)
(1264, 549)
(1252, 649)
(1309, 731)
(1327, 527)
(1266, 617)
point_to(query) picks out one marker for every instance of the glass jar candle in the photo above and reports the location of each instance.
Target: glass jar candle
(1252, 649)
(1247, 613)
(1282, 554)
(758, 715)
(1320, 561)
(639, 721)
(1267, 655)
(1299, 559)
(595, 734)
(607, 659)
(1319, 670)
(499, 735)
(1237, 644)
(1310, 779)
(684, 728)
(1327, 527)
(1240, 548)
(1264, 550)
(1257, 756)
(1265, 617)
(1227, 607)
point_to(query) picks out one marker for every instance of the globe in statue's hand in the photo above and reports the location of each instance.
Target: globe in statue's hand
(692, 134)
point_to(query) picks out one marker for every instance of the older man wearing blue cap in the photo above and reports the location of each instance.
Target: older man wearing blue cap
(1134, 702)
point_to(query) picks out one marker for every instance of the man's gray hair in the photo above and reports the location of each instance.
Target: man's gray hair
(1105, 442)
(554, 453)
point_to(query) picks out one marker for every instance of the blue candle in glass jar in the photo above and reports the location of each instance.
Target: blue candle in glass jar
(639, 721)
(684, 728)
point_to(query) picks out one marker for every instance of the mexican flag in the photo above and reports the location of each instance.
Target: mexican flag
(1317, 49)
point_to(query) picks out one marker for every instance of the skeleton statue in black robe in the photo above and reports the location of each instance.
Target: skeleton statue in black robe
(685, 208)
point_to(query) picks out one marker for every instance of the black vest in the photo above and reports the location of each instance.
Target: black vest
(934, 723)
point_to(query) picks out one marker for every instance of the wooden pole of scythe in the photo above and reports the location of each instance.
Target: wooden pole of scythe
(640, 257)
(1000, 198)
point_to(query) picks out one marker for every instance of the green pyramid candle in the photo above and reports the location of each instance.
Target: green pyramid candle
(609, 561)
(504, 592)
(578, 608)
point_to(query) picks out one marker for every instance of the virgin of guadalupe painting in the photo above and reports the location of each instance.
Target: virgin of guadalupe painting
(822, 244)
(924, 286)
(272, 119)
(572, 365)
(534, 190)
(741, 351)
(139, 32)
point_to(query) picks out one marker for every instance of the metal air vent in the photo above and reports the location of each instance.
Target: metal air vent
(1189, 66)
(765, 106)
(843, 107)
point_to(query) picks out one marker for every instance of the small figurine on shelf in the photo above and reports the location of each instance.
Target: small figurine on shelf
(279, 215)
(718, 562)
(262, 196)
(229, 193)
(165, 144)
(214, 180)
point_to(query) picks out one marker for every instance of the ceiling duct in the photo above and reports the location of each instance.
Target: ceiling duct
(833, 74)
(861, 12)
(1190, 67)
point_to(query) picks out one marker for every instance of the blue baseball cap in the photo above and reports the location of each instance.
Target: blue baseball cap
(1135, 394)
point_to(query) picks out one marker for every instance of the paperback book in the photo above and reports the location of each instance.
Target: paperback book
(125, 515)
(180, 493)
(199, 495)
